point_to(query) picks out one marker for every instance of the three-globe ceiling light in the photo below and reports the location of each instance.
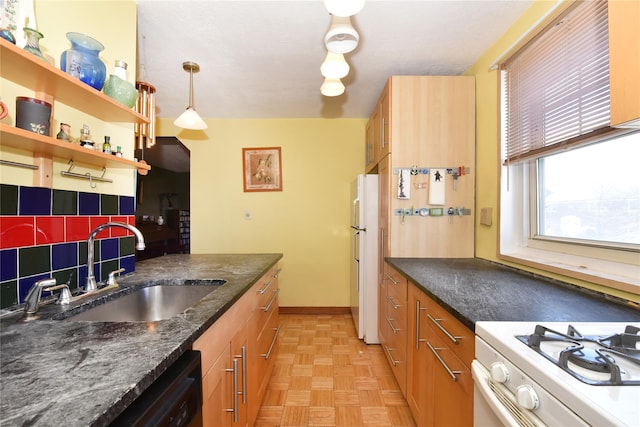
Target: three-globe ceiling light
(340, 39)
(190, 119)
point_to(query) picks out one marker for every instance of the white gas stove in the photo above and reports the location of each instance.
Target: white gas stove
(557, 373)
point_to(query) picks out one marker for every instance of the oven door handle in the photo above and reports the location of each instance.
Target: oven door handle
(509, 415)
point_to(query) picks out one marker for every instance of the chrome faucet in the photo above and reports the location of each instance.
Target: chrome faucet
(91, 285)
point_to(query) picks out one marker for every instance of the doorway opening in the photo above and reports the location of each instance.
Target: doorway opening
(163, 197)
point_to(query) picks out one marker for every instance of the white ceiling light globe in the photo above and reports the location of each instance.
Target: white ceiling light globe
(344, 7)
(334, 66)
(341, 37)
(332, 87)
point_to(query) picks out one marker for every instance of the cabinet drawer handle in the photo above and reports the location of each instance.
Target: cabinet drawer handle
(435, 321)
(267, 307)
(243, 356)
(393, 304)
(394, 281)
(235, 390)
(393, 328)
(443, 363)
(277, 273)
(394, 362)
(265, 287)
(418, 310)
(273, 342)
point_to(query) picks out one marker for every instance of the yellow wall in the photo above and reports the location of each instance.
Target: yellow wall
(488, 143)
(308, 221)
(114, 24)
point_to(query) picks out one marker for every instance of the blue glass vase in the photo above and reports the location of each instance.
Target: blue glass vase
(84, 62)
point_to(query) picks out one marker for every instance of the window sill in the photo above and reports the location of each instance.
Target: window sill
(610, 274)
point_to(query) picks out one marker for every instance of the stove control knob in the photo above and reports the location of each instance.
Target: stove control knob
(527, 397)
(499, 372)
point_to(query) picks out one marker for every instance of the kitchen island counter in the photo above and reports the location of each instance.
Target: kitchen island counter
(76, 373)
(474, 290)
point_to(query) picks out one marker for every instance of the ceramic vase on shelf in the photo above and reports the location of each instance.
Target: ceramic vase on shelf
(118, 88)
(33, 42)
(82, 60)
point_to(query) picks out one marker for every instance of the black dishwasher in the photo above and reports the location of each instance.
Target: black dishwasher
(173, 400)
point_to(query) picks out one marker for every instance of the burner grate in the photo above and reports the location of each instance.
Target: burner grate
(601, 359)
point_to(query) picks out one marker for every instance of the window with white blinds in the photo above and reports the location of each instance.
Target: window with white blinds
(557, 86)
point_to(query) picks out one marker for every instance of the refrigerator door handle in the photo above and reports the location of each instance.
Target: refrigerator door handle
(355, 211)
(355, 246)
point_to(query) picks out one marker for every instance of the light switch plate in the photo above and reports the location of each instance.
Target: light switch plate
(485, 216)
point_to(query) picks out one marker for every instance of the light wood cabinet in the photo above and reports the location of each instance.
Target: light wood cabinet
(431, 125)
(238, 352)
(624, 62)
(377, 132)
(441, 348)
(393, 334)
(51, 84)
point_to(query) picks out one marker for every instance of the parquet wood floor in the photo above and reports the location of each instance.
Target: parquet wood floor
(325, 376)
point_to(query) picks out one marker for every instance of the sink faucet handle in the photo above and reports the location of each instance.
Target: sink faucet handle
(111, 280)
(65, 294)
(32, 300)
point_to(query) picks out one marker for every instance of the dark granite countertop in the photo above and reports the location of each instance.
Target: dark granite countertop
(69, 373)
(474, 290)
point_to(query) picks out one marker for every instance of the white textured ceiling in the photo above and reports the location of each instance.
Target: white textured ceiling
(261, 59)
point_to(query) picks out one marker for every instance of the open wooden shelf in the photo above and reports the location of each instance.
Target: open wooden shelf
(44, 145)
(25, 69)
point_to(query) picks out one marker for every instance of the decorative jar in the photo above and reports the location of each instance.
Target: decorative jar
(118, 88)
(91, 69)
(33, 115)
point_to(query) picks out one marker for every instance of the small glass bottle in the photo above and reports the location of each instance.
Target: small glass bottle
(85, 137)
(119, 152)
(120, 69)
(106, 147)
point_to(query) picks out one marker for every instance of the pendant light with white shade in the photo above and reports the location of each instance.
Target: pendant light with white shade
(190, 119)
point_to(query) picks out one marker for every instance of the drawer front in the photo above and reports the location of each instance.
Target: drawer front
(396, 285)
(396, 352)
(265, 286)
(266, 308)
(450, 330)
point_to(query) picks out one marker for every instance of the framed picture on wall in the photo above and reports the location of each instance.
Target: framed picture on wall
(262, 169)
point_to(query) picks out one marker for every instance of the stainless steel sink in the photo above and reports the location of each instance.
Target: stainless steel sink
(150, 303)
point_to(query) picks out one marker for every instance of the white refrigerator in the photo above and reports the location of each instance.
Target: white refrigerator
(364, 253)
